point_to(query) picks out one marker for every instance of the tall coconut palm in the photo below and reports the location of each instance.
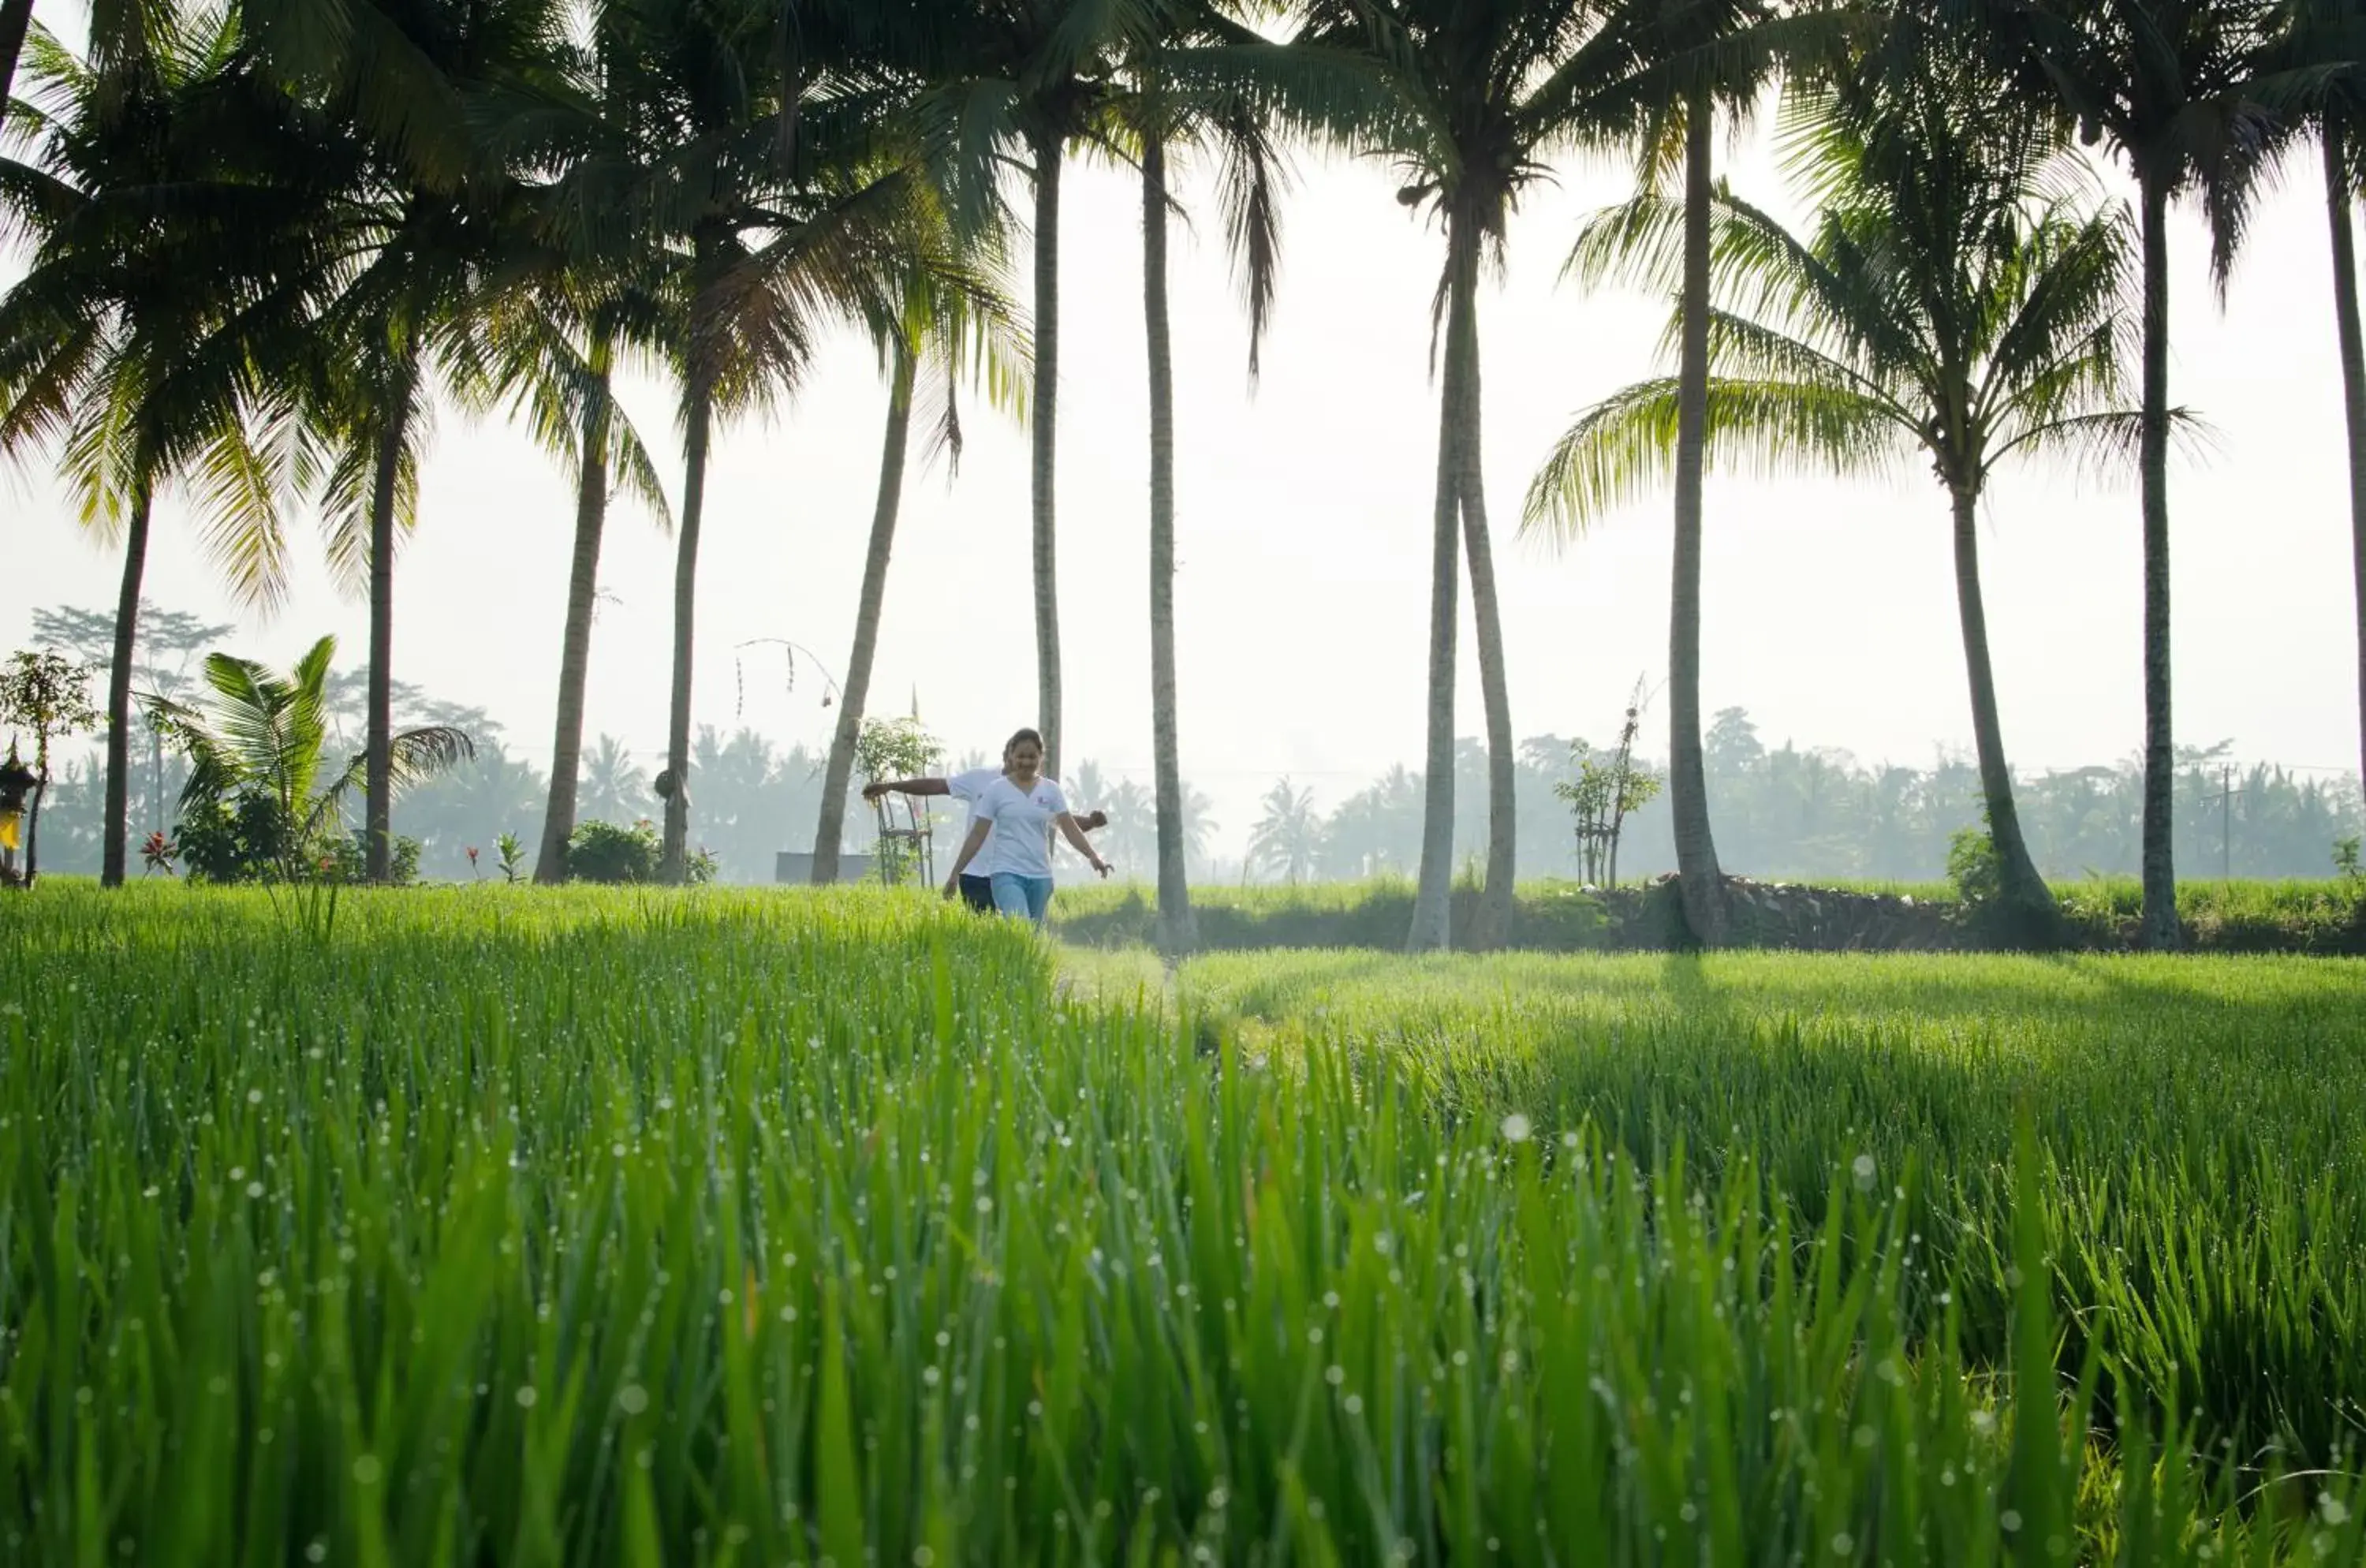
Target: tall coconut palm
(576, 300)
(1712, 57)
(1020, 81)
(2330, 36)
(1484, 92)
(1947, 303)
(789, 203)
(1194, 77)
(2185, 91)
(15, 16)
(955, 325)
(554, 358)
(130, 344)
(421, 94)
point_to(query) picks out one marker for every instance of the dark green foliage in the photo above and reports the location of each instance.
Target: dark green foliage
(249, 838)
(1972, 867)
(2319, 918)
(602, 851)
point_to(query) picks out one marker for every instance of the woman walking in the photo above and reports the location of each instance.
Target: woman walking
(1010, 833)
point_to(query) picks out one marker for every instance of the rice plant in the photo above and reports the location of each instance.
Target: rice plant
(593, 1228)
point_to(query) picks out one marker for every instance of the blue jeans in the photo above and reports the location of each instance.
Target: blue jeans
(1025, 897)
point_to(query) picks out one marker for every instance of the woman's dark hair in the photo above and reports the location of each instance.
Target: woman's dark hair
(1021, 739)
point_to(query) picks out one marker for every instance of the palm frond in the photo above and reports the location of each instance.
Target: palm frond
(2103, 447)
(1625, 448)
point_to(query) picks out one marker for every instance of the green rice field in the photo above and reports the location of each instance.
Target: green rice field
(501, 1225)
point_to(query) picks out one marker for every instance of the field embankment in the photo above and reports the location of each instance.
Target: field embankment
(2321, 918)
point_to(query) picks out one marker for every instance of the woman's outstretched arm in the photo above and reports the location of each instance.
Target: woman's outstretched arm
(906, 786)
(1076, 836)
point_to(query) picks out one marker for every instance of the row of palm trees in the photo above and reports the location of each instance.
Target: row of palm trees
(268, 239)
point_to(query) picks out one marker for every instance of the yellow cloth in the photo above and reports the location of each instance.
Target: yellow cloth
(8, 828)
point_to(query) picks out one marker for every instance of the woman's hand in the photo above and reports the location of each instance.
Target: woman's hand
(952, 884)
(1102, 867)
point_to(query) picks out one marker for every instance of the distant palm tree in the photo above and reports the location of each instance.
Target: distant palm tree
(1132, 827)
(1947, 304)
(1199, 824)
(130, 343)
(613, 790)
(2185, 90)
(1289, 836)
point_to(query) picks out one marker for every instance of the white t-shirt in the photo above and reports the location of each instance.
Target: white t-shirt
(1023, 827)
(966, 788)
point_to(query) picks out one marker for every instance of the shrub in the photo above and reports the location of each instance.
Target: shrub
(1974, 866)
(246, 837)
(602, 852)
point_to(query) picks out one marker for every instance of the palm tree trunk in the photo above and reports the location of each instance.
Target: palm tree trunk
(675, 848)
(15, 17)
(574, 642)
(1434, 893)
(2030, 908)
(112, 854)
(2353, 385)
(1176, 928)
(1491, 924)
(832, 826)
(1048, 151)
(2160, 924)
(1698, 876)
(377, 784)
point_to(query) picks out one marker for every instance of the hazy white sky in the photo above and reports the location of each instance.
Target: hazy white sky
(1304, 528)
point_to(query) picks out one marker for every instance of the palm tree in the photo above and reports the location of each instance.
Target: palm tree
(549, 346)
(784, 198)
(955, 323)
(613, 790)
(1022, 80)
(1132, 829)
(1711, 54)
(1195, 77)
(2184, 91)
(1481, 94)
(260, 733)
(15, 16)
(1945, 303)
(560, 378)
(2331, 35)
(419, 100)
(132, 340)
(1289, 836)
